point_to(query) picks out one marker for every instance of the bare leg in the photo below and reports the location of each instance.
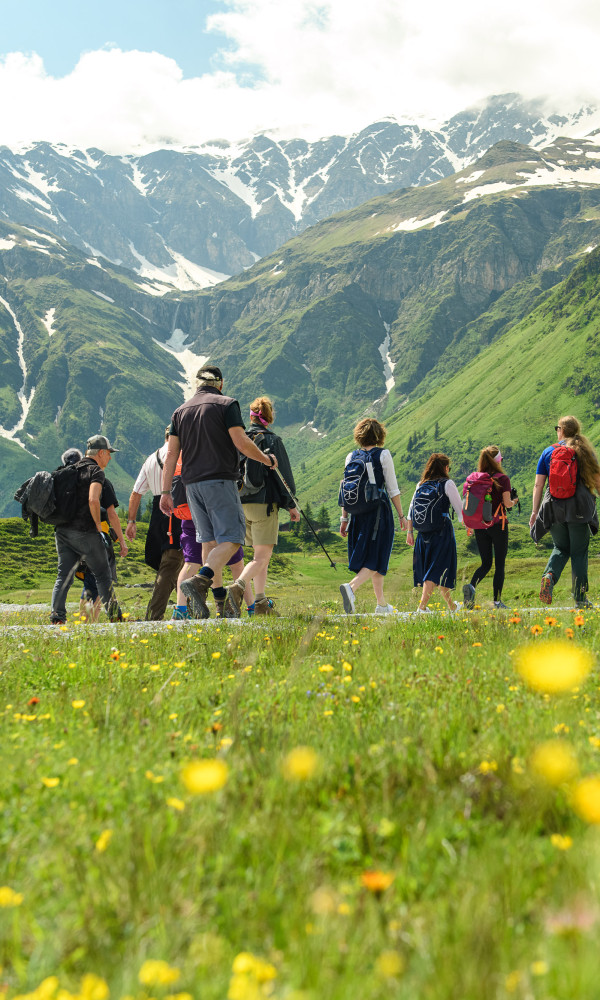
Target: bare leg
(377, 580)
(428, 587)
(216, 556)
(236, 570)
(447, 595)
(257, 568)
(360, 578)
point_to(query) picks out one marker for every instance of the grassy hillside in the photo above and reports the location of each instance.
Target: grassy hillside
(511, 394)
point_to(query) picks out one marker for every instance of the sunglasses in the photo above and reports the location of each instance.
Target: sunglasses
(557, 428)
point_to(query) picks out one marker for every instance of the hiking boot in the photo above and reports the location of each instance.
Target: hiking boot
(384, 609)
(546, 588)
(233, 601)
(584, 605)
(220, 608)
(347, 597)
(501, 605)
(57, 619)
(180, 616)
(469, 596)
(264, 607)
(196, 590)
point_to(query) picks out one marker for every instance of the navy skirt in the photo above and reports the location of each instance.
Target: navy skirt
(363, 549)
(434, 557)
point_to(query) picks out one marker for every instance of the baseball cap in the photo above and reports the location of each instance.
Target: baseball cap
(97, 442)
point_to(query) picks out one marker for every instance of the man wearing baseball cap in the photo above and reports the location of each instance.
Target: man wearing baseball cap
(82, 537)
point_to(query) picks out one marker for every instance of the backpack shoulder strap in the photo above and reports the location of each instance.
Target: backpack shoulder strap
(161, 464)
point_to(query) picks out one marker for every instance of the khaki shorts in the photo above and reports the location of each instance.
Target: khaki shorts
(260, 529)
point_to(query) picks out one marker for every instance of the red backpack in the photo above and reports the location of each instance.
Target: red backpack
(477, 501)
(562, 474)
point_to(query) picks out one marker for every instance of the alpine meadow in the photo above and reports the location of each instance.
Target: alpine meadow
(312, 805)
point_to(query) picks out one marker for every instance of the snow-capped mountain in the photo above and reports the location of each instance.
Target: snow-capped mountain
(190, 217)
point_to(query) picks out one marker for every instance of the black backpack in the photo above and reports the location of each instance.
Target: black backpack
(359, 491)
(50, 497)
(253, 475)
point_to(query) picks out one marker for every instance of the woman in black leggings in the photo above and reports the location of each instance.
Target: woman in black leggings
(492, 542)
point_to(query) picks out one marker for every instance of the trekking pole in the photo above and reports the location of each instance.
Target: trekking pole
(295, 499)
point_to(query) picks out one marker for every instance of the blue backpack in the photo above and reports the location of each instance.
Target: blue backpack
(430, 504)
(362, 487)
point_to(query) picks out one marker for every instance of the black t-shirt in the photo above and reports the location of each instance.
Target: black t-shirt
(89, 472)
(108, 497)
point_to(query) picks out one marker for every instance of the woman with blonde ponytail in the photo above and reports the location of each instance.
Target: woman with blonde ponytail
(569, 516)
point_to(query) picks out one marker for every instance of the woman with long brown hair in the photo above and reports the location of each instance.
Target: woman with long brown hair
(434, 559)
(492, 542)
(569, 529)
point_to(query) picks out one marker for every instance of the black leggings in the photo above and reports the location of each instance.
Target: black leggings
(493, 545)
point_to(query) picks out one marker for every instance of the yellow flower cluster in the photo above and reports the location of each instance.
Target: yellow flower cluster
(9, 898)
(251, 977)
(156, 972)
(91, 987)
(553, 667)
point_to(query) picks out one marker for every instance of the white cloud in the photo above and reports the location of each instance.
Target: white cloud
(312, 67)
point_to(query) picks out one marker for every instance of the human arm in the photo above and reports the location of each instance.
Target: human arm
(246, 446)
(94, 504)
(538, 492)
(410, 538)
(132, 511)
(113, 520)
(391, 484)
(344, 519)
(454, 498)
(173, 450)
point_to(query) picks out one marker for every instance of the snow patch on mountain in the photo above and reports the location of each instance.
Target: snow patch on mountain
(7, 244)
(408, 225)
(48, 321)
(189, 361)
(24, 399)
(492, 188)
(101, 295)
(388, 364)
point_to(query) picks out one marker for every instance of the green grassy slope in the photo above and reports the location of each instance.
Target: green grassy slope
(511, 394)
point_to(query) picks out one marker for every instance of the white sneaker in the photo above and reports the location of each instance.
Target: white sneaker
(385, 609)
(423, 611)
(347, 597)
(459, 607)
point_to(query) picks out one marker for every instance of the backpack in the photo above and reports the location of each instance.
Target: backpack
(428, 507)
(359, 491)
(50, 497)
(562, 474)
(253, 475)
(477, 501)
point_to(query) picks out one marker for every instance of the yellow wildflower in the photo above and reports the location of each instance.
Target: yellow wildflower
(554, 762)
(50, 782)
(389, 964)
(78, 703)
(156, 972)
(9, 898)
(586, 799)
(562, 843)
(93, 987)
(103, 841)
(301, 764)
(203, 776)
(554, 667)
(176, 804)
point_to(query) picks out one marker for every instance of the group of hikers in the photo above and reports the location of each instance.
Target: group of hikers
(218, 487)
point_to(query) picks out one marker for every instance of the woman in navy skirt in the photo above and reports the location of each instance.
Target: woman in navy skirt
(371, 534)
(434, 560)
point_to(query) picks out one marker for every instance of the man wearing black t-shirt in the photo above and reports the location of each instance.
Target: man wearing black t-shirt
(82, 538)
(208, 430)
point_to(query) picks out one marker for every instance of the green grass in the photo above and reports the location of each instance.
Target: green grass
(423, 732)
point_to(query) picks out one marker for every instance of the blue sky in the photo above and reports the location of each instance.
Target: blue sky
(127, 75)
(61, 30)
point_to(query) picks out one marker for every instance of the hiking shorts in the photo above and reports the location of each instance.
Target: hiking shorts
(260, 528)
(217, 511)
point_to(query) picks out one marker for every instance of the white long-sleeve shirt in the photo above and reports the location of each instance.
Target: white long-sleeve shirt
(389, 473)
(453, 495)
